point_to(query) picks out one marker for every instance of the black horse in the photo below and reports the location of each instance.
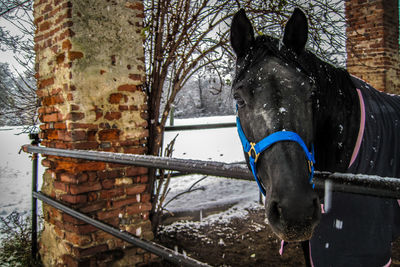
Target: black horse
(295, 109)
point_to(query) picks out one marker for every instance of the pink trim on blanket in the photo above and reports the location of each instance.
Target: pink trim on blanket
(282, 246)
(361, 129)
(389, 263)
(309, 249)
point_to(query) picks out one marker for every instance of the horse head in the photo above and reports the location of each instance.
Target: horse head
(273, 96)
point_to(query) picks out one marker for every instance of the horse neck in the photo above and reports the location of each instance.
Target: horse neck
(336, 117)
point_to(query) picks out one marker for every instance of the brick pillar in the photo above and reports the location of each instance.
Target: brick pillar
(373, 42)
(90, 68)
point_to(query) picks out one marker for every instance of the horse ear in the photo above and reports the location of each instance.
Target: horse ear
(296, 31)
(242, 33)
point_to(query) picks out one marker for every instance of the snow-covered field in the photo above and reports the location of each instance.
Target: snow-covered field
(215, 144)
(15, 172)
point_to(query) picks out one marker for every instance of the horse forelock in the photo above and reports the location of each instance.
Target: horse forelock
(263, 47)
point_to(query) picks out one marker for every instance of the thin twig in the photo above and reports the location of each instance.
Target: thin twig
(190, 190)
(14, 7)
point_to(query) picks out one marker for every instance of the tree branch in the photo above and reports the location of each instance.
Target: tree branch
(14, 7)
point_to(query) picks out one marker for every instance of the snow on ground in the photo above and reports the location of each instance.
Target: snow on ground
(212, 192)
(219, 221)
(15, 172)
(217, 145)
(213, 144)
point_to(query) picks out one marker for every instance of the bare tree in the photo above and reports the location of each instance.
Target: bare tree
(326, 18)
(183, 36)
(18, 99)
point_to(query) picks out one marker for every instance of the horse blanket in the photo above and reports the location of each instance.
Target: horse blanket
(358, 230)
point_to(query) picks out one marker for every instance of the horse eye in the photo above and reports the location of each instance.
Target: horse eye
(239, 101)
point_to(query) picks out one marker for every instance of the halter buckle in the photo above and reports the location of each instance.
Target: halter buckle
(310, 165)
(252, 152)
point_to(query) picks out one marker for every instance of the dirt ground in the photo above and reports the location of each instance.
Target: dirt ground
(241, 242)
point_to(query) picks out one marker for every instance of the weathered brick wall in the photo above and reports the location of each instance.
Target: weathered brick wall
(373, 42)
(90, 68)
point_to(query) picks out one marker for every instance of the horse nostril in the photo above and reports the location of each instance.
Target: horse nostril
(306, 212)
(275, 212)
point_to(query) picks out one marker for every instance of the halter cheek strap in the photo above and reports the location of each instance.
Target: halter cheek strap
(255, 149)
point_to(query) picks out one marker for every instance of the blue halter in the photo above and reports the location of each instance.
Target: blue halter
(254, 150)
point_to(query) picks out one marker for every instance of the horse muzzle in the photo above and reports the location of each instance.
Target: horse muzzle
(293, 219)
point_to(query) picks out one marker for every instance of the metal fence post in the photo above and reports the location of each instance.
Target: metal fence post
(34, 248)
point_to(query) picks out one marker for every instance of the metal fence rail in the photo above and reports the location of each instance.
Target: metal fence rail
(360, 184)
(161, 251)
(154, 248)
(200, 126)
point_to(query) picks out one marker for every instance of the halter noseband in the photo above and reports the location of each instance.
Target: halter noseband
(255, 149)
